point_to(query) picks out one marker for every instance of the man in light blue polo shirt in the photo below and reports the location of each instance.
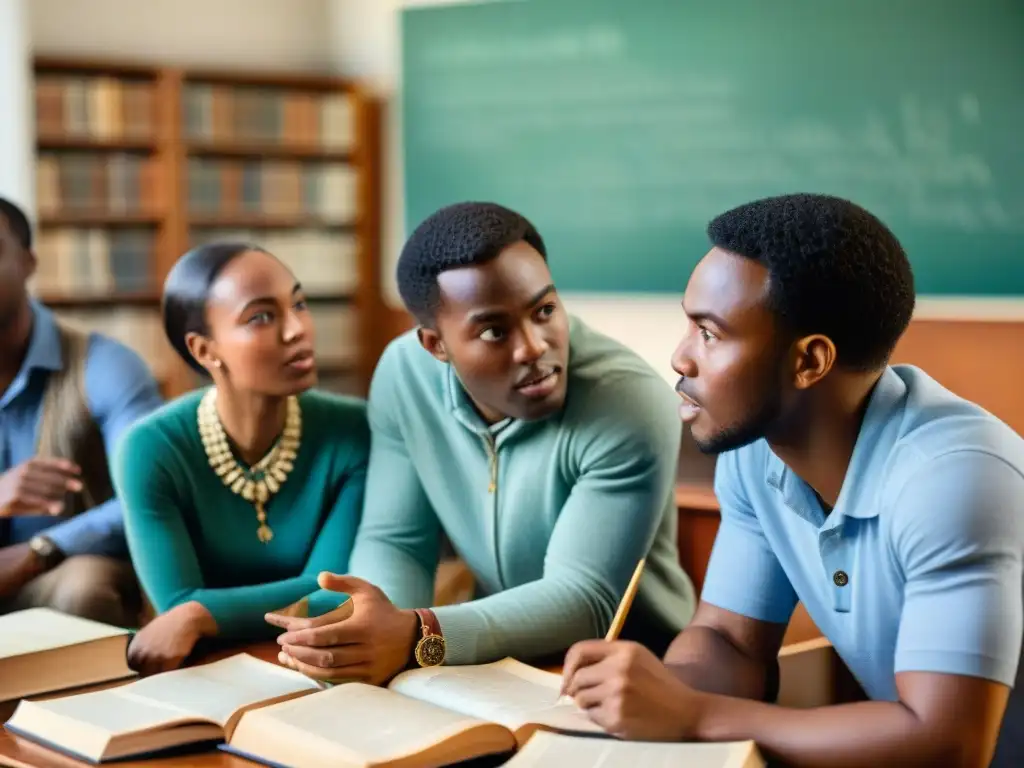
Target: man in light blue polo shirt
(893, 509)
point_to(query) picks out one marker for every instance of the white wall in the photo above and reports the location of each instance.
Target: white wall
(17, 176)
(248, 34)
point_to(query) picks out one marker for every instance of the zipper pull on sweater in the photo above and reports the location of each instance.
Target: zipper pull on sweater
(492, 455)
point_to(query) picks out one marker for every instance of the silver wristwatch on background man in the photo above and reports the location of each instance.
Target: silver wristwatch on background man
(49, 553)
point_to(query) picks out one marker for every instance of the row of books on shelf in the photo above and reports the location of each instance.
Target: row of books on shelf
(119, 183)
(127, 184)
(108, 108)
(223, 113)
(94, 261)
(337, 339)
(103, 107)
(327, 192)
(324, 261)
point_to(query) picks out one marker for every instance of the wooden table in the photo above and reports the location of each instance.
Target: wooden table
(16, 752)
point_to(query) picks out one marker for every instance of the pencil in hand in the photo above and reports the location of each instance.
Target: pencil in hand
(620, 615)
(625, 603)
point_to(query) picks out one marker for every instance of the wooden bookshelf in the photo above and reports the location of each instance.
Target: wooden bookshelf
(136, 164)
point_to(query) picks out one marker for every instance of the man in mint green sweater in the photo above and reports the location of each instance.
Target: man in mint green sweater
(544, 451)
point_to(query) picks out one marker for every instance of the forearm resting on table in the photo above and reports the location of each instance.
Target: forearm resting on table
(707, 661)
(239, 612)
(860, 735)
(199, 618)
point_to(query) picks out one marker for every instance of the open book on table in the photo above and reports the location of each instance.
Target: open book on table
(424, 717)
(42, 650)
(185, 706)
(440, 716)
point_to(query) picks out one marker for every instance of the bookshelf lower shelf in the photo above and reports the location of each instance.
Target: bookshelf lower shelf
(100, 301)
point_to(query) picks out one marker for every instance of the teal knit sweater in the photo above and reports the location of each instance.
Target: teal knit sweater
(191, 538)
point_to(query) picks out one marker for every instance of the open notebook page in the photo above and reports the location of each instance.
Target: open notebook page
(507, 692)
(551, 750)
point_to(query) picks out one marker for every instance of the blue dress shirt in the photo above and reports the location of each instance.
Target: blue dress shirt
(119, 388)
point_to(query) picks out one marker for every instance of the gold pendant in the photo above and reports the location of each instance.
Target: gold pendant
(263, 533)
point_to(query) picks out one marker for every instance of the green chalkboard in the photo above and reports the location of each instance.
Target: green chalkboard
(621, 126)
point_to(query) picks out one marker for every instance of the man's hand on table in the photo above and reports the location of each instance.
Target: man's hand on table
(371, 644)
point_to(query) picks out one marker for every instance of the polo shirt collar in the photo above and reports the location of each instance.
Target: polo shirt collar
(878, 433)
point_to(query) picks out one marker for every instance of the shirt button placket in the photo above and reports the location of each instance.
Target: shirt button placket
(834, 554)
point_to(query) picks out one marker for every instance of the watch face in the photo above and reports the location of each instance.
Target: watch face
(44, 547)
(430, 651)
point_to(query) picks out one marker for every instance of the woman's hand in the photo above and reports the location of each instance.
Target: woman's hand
(164, 643)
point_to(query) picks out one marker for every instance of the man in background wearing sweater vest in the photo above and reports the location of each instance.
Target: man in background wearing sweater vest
(65, 399)
(546, 452)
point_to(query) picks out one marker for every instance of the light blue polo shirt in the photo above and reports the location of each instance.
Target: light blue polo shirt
(918, 567)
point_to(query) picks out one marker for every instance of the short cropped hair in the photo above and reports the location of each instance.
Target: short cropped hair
(834, 268)
(18, 222)
(187, 290)
(459, 235)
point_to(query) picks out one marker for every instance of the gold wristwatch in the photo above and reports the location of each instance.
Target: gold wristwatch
(430, 648)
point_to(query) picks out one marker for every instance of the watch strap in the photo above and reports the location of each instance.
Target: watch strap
(429, 624)
(430, 649)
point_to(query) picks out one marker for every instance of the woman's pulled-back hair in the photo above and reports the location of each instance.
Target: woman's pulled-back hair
(187, 289)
